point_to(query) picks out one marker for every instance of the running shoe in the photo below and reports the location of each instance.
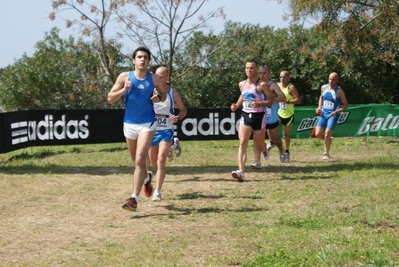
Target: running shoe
(170, 156)
(177, 146)
(147, 186)
(326, 156)
(238, 175)
(282, 158)
(287, 156)
(266, 154)
(130, 204)
(256, 165)
(157, 196)
(270, 146)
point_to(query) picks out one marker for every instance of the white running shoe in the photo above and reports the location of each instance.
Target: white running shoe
(326, 155)
(177, 146)
(256, 165)
(157, 196)
(282, 158)
(238, 175)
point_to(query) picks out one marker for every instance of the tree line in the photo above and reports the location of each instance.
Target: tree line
(207, 67)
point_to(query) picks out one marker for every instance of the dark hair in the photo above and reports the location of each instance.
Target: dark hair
(265, 67)
(142, 49)
(252, 61)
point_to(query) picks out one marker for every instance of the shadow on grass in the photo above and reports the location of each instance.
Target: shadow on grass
(306, 177)
(393, 142)
(38, 155)
(197, 195)
(177, 211)
(45, 153)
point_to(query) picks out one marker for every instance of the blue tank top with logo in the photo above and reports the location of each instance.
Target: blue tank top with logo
(330, 101)
(139, 107)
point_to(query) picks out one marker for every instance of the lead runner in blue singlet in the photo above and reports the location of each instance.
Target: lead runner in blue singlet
(136, 88)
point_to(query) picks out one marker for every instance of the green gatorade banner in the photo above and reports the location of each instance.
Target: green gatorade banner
(357, 120)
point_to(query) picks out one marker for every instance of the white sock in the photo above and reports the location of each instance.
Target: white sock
(157, 191)
(147, 179)
(136, 197)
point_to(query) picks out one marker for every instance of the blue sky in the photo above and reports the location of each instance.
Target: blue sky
(24, 23)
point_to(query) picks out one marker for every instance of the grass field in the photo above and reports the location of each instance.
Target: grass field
(61, 206)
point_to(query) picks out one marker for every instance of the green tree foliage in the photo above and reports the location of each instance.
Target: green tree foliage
(360, 21)
(61, 74)
(366, 34)
(306, 53)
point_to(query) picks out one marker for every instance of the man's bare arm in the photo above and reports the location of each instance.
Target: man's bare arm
(344, 102)
(180, 105)
(294, 92)
(280, 95)
(269, 95)
(121, 85)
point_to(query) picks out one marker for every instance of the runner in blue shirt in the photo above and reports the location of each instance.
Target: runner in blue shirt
(136, 88)
(331, 98)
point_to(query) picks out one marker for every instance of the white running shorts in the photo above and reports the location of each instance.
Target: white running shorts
(132, 131)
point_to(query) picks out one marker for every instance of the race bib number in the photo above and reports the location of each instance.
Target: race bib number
(161, 121)
(328, 104)
(283, 106)
(247, 106)
(268, 111)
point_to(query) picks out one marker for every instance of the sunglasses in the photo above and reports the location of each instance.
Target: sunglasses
(283, 77)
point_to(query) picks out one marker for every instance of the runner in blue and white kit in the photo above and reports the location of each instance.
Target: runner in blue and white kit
(162, 141)
(331, 98)
(136, 88)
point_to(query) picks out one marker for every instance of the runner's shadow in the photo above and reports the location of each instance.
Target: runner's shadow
(197, 195)
(306, 177)
(177, 211)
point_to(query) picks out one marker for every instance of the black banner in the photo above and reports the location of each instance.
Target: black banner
(27, 128)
